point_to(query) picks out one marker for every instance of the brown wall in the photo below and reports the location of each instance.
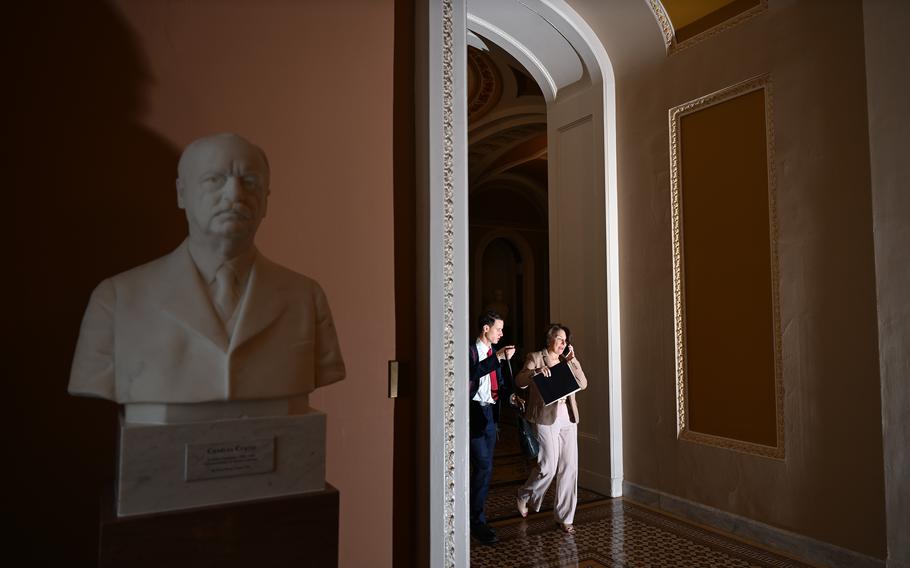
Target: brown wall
(814, 53)
(110, 93)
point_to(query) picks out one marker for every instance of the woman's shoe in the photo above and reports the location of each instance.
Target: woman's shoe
(567, 528)
(522, 505)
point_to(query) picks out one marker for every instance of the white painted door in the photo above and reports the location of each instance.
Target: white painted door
(578, 264)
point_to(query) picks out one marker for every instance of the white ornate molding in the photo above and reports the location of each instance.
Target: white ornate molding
(663, 21)
(448, 250)
(441, 175)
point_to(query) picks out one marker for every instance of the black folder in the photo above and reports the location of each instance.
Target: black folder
(559, 384)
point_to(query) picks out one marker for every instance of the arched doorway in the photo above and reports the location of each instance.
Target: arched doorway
(507, 187)
(577, 82)
(505, 274)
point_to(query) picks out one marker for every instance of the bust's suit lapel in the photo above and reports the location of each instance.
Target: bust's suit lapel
(266, 300)
(184, 296)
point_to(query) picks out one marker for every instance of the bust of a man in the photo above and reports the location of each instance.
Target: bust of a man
(214, 320)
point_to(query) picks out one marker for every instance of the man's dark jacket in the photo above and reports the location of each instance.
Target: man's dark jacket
(477, 369)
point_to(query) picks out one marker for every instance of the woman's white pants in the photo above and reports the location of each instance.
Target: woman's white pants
(558, 458)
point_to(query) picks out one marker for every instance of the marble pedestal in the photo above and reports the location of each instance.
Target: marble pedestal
(169, 467)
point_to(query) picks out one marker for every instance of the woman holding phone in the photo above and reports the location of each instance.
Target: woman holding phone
(556, 429)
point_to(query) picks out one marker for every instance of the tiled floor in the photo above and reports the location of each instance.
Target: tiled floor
(611, 533)
(501, 501)
(616, 533)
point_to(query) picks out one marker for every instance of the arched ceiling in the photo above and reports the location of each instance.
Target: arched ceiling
(532, 41)
(507, 128)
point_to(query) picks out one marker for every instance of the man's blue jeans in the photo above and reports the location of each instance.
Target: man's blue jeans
(482, 466)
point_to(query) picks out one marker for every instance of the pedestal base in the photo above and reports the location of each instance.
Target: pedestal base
(171, 467)
(299, 531)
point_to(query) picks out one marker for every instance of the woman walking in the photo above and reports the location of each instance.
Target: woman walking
(556, 429)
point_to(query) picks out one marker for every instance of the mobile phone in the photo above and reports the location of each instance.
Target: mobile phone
(565, 352)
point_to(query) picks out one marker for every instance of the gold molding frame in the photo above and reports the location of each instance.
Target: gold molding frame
(762, 82)
(669, 33)
(663, 20)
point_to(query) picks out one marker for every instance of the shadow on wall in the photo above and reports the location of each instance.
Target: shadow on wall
(94, 195)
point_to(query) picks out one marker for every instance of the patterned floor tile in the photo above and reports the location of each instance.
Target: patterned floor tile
(611, 533)
(618, 534)
(501, 500)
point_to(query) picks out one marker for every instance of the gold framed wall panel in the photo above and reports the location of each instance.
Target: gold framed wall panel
(674, 45)
(685, 432)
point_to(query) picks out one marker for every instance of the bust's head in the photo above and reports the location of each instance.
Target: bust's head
(223, 185)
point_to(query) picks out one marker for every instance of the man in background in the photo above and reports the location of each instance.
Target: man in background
(488, 385)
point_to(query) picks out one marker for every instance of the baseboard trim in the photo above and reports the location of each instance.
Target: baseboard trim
(797, 545)
(595, 481)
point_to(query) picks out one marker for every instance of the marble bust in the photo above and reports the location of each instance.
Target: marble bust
(214, 321)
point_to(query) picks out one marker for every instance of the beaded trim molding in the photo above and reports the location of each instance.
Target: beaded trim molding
(762, 82)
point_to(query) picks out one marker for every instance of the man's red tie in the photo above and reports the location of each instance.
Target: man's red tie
(494, 383)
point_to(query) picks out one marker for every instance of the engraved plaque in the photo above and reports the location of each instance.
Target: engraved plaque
(229, 459)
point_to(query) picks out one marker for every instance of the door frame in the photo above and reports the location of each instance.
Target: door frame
(442, 255)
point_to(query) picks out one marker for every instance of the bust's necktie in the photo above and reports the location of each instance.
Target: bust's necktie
(227, 291)
(494, 382)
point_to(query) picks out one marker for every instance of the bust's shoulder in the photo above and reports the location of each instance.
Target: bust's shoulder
(160, 268)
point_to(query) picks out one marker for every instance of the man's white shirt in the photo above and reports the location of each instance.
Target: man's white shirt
(483, 394)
